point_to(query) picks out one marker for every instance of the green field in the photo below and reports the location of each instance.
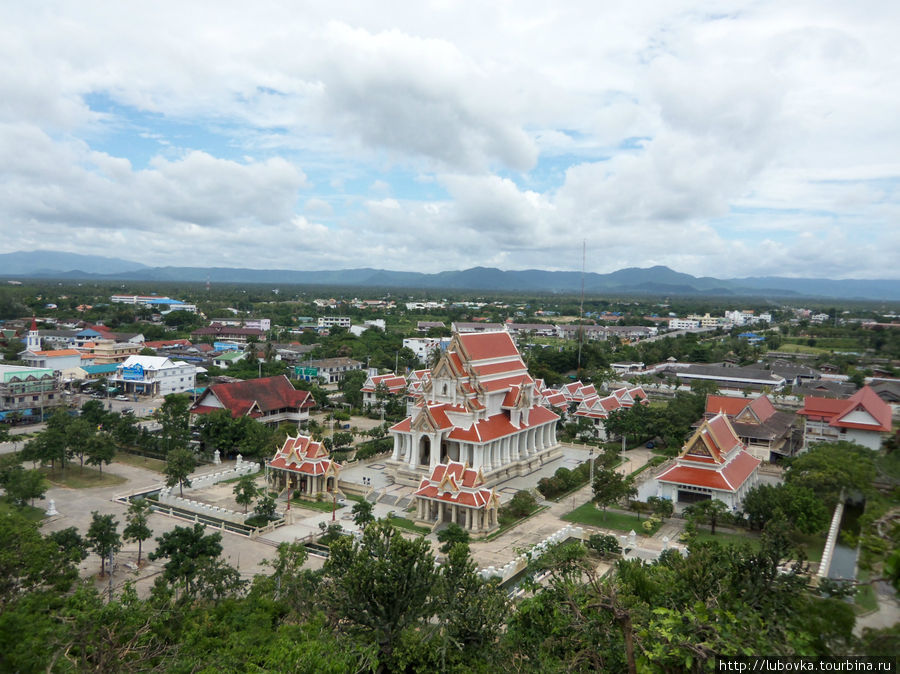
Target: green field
(29, 513)
(79, 477)
(589, 514)
(140, 461)
(321, 506)
(798, 348)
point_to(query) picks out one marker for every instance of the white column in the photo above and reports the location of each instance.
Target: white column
(396, 453)
(486, 458)
(435, 457)
(413, 449)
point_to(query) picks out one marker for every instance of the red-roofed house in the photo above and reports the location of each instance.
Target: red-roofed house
(712, 464)
(382, 385)
(863, 418)
(479, 408)
(456, 493)
(597, 409)
(270, 400)
(768, 434)
(302, 464)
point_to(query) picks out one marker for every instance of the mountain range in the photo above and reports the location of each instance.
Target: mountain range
(657, 280)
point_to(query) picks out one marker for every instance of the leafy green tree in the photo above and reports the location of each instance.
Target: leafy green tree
(351, 386)
(265, 509)
(605, 545)
(712, 511)
(23, 485)
(610, 487)
(30, 563)
(245, 490)
(521, 504)
(79, 433)
(173, 417)
(193, 560)
(70, 543)
(798, 506)
(661, 507)
(93, 413)
(180, 463)
(380, 588)
(362, 513)
(829, 468)
(100, 448)
(103, 537)
(452, 535)
(137, 526)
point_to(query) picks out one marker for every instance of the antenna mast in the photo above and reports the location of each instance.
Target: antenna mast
(581, 309)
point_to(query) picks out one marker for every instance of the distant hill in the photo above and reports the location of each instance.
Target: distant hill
(49, 262)
(633, 280)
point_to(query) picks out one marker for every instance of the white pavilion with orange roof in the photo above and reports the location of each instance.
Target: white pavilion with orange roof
(303, 465)
(713, 464)
(456, 493)
(479, 408)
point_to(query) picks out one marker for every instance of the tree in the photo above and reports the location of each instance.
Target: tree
(381, 587)
(23, 485)
(829, 468)
(712, 510)
(521, 504)
(265, 509)
(362, 513)
(174, 416)
(70, 543)
(79, 433)
(611, 487)
(137, 528)
(452, 535)
(797, 505)
(245, 490)
(661, 507)
(189, 553)
(351, 386)
(103, 537)
(100, 449)
(180, 463)
(605, 545)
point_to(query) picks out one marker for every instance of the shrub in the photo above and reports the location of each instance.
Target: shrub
(605, 545)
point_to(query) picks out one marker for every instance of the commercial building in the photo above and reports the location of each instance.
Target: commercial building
(28, 392)
(154, 375)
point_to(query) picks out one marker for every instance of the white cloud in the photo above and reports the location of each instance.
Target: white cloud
(735, 139)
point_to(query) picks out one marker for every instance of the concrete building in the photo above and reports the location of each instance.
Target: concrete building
(154, 375)
(270, 400)
(456, 493)
(28, 392)
(863, 418)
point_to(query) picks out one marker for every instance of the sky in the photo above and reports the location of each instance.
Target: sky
(727, 139)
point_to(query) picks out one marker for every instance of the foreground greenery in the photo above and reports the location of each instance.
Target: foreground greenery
(381, 604)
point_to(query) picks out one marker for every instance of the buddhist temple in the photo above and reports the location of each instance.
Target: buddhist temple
(456, 493)
(479, 407)
(303, 465)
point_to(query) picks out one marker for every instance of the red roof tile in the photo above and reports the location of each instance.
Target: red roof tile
(486, 345)
(267, 394)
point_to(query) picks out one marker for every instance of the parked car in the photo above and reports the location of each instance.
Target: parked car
(122, 398)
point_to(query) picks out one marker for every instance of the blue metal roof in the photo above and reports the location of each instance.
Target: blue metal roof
(99, 369)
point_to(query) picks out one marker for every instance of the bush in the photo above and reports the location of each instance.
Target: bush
(604, 545)
(522, 504)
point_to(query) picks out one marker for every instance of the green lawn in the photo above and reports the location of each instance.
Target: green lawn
(29, 513)
(800, 348)
(590, 515)
(78, 477)
(408, 525)
(728, 538)
(140, 461)
(321, 506)
(865, 599)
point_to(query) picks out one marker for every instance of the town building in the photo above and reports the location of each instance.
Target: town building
(480, 408)
(683, 324)
(269, 400)
(863, 418)
(331, 370)
(424, 347)
(379, 386)
(425, 326)
(737, 379)
(154, 375)
(264, 324)
(304, 467)
(28, 392)
(223, 333)
(453, 492)
(712, 465)
(334, 322)
(768, 434)
(57, 360)
(228, 358)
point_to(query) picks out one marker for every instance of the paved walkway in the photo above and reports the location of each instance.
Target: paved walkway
(505, 547)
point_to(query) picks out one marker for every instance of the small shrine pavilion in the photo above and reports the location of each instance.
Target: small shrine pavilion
(456, 493)
(303, 465)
